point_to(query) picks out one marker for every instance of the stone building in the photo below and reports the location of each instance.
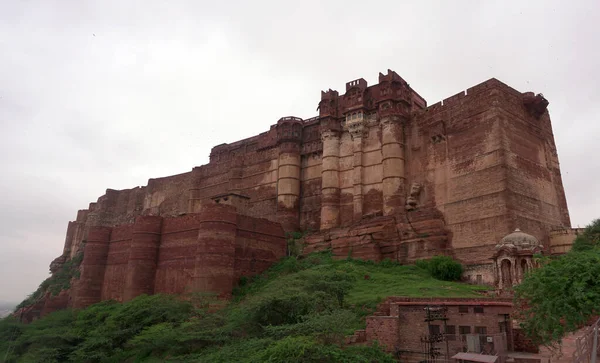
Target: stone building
(430, 329)
(377, 174)
(514, 257)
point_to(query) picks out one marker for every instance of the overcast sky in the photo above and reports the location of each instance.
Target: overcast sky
(106, 94)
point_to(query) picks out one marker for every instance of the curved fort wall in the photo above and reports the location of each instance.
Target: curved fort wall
(377, 174)
(206, 251)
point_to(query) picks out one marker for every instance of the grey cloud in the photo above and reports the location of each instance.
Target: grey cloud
(106, 94)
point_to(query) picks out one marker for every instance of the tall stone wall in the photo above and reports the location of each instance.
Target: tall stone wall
(207, 251)
(377, 174)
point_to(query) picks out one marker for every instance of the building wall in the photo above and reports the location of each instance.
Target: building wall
(400, 325)
(206, 251)
(561, 240)
(377, 174)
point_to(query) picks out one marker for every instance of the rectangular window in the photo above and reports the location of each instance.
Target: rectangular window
(464, 330)
(481, 330)
(463, 309)
(479, 280)
(478, 309)
(450, 332)
(434, 329)
(502, 327)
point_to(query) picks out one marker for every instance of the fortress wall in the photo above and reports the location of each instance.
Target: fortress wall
(113, 285)
(88, 289)
(454, 177)
(535, 195)
(177, 254)
(258, 243)
(372, 172)
(310, 188)
(561, 240)
(459, 157)
(207, 251)
(168, 196)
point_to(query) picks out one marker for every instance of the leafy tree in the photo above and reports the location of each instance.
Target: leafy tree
(334, 283)
(590, 238)
(563, 294)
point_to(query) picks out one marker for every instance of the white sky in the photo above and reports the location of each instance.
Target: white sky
(106, 94)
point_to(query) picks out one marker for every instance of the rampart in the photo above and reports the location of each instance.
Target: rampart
(377, 174)
(206, 251)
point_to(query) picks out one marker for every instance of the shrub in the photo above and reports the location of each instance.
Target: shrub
(442, 268)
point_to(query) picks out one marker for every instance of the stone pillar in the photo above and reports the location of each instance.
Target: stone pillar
(93, 266)
(330, 180)
(214, 269)
(289, 136)
(356, 128)
(143, 257)
(392, 149)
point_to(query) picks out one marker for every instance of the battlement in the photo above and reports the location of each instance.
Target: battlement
(538, 103)
(329, 94)
(361, 83)
(289, 119)
(391, 76)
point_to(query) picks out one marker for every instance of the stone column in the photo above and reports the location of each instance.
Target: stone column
(93, 266)
(143, 256)
(356, 128)
(392, 149)
(330, 180)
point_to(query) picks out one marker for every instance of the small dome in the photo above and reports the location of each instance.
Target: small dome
(519, 239)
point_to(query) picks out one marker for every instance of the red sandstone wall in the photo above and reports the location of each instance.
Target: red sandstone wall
(177, 253)
(258, 244)
(495, 169)
(399, 323)
(113, 286)
(206, 251)
(484, 163)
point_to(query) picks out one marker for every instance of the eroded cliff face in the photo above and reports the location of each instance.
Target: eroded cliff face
(376, 175)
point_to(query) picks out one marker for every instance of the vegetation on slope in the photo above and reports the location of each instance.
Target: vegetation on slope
(300, 310)
(60, 280)
(564, 293)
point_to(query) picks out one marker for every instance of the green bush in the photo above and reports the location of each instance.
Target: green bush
(589, 239)
(60, 280)
(442, 268)
(301, 308)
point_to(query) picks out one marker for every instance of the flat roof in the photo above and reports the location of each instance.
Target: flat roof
(474, 357)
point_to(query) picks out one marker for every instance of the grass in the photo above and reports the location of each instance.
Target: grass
(300, 307)
(373, 282)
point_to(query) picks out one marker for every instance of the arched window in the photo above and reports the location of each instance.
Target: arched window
(506, 270)
(524, 268)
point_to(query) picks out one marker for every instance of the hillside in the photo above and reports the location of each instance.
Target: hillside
(6, 308)
(300, 309)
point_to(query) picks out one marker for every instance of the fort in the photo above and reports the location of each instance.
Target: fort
(377, 174)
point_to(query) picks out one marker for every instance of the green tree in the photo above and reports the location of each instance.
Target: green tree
(564, 293)
(589, 239)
